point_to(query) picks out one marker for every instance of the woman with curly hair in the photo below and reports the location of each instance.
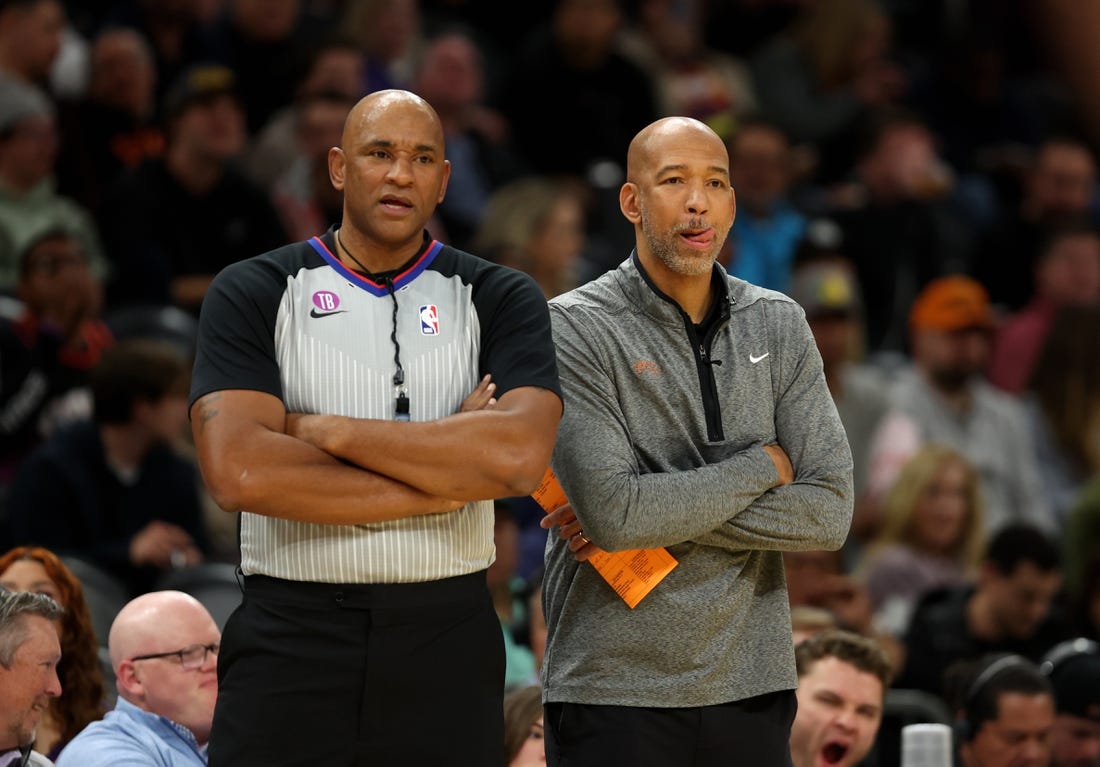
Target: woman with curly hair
(27, 568)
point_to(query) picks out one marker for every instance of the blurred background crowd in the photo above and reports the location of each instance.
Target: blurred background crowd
(919, 175)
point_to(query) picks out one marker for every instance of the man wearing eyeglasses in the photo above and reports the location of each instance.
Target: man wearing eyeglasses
(164, 650)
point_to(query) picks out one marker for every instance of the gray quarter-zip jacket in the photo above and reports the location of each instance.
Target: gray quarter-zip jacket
(661, 444)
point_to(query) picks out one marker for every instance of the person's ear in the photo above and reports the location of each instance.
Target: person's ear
(128, 680)
(629, 203)
(965, 750)
(337, 164)
(446, 178)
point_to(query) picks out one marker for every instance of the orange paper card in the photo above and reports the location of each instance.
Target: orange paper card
(632, 574)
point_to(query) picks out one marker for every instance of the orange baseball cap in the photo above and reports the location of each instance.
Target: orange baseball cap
(951, 303)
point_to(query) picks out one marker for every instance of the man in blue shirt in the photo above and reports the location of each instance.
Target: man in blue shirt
(768, 229)
(164, 650)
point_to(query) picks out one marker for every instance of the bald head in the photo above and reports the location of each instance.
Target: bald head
(678, 197)
(155, 622)
(164, 649)
(376, 108)
(659, 138)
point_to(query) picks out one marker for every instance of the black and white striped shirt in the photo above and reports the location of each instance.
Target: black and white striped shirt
(297, 324)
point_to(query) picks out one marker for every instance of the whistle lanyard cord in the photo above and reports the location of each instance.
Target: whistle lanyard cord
(402, 397)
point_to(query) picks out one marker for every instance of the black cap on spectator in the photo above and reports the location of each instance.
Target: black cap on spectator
(56, 227)
(1076, 683)
(825, 289)
(199, 83)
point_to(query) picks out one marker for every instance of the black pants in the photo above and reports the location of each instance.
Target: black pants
(350, 675)
(753, 732)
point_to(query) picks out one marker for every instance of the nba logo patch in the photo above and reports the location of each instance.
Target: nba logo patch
(429, 320)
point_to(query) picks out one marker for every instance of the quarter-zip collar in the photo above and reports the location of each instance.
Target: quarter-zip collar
(664, 309)
(645, 294)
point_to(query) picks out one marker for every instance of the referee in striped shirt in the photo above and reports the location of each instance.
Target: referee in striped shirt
(360, 398)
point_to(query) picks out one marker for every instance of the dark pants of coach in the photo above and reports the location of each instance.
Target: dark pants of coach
(755, 732)
(348, 675)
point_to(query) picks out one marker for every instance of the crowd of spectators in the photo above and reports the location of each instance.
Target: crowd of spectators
(919, 176)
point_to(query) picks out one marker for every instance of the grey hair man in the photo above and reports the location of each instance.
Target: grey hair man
(29, 654)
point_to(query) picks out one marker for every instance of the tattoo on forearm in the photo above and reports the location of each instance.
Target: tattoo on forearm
(208, 410)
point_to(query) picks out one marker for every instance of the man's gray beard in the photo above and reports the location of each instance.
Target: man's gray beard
(664, 248)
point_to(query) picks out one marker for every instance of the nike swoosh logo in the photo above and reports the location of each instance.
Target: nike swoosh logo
(318, 315)
(754, 359)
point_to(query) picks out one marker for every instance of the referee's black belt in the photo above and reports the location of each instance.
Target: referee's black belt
(366, 595)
